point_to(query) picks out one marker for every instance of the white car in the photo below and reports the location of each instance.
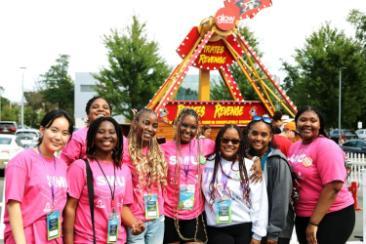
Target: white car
(8, 148)
(361, 133)
(27, 138)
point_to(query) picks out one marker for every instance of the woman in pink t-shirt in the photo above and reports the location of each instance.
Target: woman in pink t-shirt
(112, 189)
(76, 148)
(183, 199)
(36, 186)
(148, 168)
(325, 212)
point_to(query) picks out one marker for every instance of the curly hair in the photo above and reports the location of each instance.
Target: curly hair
(152, 166)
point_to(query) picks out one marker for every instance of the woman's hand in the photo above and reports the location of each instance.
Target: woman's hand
(257, 170)
(138, 227)
(271, 241)
(311, 231)
(254, 241)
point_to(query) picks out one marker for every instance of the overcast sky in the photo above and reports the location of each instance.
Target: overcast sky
(34, 32)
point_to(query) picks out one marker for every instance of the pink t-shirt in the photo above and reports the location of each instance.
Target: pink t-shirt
(317, 164)
(138, 206)
(76, 147)
(189, 176)
(29, 180)
(78, 189)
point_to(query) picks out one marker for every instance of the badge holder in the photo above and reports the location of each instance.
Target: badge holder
(223, 211)
(113, 224)
(186, 197)
(53, 225)
(151, 206)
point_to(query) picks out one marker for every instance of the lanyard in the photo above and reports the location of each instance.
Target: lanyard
(52, 178)
(114, 182)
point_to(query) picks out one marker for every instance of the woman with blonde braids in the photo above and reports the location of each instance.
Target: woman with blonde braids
(183, 200)
(148, 168)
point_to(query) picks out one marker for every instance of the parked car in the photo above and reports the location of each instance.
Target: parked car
(361, 133)
(354, 146)
(349, 134)
(8, 148)
(27, 137)
(8, 127)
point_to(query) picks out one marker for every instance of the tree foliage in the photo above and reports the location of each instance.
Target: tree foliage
(219, 90)
(135, 69)
(314, 77)
(57, 87)
(358, 19)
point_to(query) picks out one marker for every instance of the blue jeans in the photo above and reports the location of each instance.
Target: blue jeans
(153, 233)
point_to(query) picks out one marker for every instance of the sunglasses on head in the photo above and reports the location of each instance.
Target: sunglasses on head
(265, 119)
(227, 140)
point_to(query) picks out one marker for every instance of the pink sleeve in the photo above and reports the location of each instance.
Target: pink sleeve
(15, 177)
(208, 146)
(128, 198)
(330, 162)
(71, 151)
(76, 175)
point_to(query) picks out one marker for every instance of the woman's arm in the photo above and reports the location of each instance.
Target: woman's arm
(16, 221)
(129, 220)
(69, 219)
(327, 197)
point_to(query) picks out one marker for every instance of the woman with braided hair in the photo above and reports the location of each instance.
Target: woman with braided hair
(236, 208)
(183, 200)
(148, 168)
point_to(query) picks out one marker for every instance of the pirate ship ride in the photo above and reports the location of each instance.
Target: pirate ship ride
(216, 44)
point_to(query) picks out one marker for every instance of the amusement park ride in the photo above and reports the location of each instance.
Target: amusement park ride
(215, 45)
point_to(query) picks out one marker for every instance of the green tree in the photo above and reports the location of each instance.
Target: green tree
(57, 87)
(135, 69)
(34, 109)
(314, 77)
(220, 91)
(358, 19)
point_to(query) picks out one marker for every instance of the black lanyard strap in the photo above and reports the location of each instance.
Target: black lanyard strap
(114, 181)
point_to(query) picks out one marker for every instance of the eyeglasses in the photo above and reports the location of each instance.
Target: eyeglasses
(227, 140)
(265, 119)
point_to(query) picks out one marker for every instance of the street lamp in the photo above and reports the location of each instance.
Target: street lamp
(340, 104)
(1, 93)
(22, 100)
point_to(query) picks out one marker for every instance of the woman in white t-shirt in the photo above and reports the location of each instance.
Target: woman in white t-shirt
(236, 208)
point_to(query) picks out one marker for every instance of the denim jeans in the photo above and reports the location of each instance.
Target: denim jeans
(153, 233)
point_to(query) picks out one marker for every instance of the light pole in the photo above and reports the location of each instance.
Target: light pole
(22, 100)
(1, 93)
(340, 104)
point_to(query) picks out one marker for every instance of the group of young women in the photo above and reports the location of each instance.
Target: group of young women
(105, 188)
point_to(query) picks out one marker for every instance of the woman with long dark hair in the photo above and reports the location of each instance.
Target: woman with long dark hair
(236, 208)
(36, 185)
(112, 189)
(324, 211)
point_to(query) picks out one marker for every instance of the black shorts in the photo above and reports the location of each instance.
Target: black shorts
(187, 229)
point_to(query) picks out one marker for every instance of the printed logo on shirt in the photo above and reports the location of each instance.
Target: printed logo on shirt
(56, 181)
(303, 159)
(183, 160)
(101, 181)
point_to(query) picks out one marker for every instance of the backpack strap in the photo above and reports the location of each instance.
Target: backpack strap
(89, 182)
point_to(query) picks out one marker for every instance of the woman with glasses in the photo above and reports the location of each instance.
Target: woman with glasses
(324, 211)
(183, 200)
(277, 176)
(236, 208)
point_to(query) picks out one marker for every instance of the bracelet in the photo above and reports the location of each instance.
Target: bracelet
(311, 223)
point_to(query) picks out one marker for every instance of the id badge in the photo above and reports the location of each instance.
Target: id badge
(112, 228)
(186, 197)
(202, 159)
(223, 211)
(151, 206)
(53, 225)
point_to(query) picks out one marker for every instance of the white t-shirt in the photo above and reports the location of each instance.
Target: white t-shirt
(230, 188)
